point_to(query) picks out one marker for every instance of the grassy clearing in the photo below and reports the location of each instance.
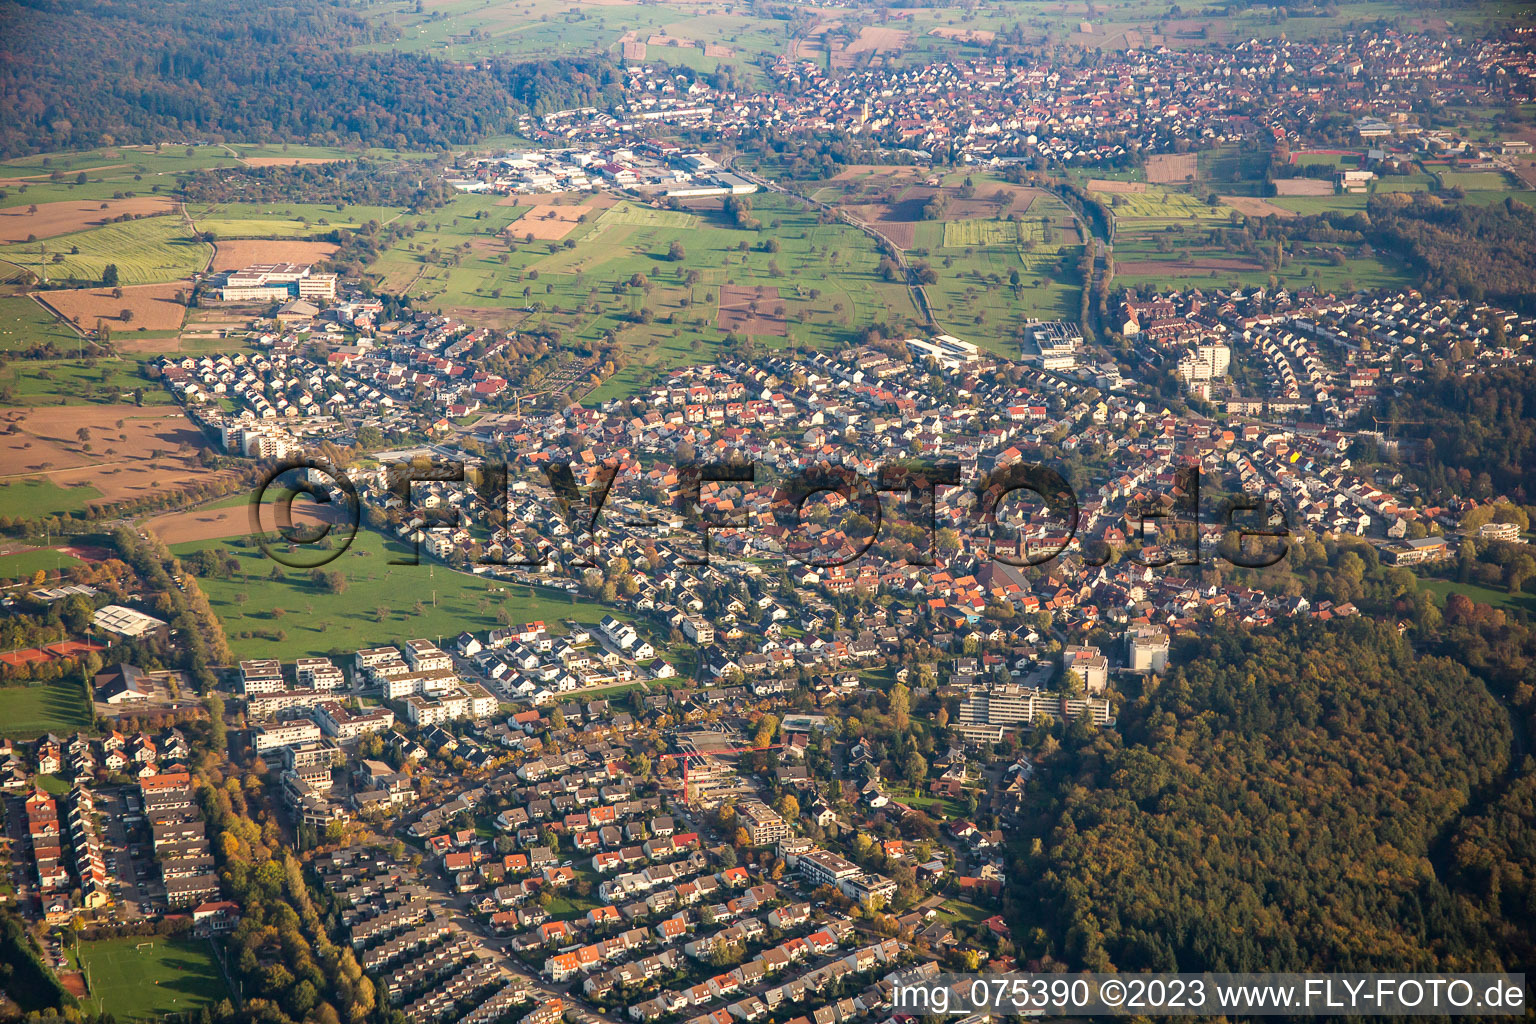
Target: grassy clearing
(287, 615)
(24, 324)
(39, 496)
(146, 251)
(959, 911)
(173, 976)
(75, 382)
(1524, 601)
(59, 707)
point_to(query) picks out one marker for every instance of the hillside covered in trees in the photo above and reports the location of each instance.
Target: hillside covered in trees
(142, 71)
(1312, 798)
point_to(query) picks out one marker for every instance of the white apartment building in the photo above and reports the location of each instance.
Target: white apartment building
(286, 734)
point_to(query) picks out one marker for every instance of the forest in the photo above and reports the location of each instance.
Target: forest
(1315, 797)
(145, 71)
(1461, 250)
(1479, 437)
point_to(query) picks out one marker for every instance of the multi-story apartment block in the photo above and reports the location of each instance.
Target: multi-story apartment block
(763, 824)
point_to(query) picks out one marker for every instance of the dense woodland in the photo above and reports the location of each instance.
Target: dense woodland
(1462, 250)
(144, 71)
(1318, 797)
(1478, 431)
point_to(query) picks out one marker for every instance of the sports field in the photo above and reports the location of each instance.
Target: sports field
(58, 707)
(22, 564)
(172, 976)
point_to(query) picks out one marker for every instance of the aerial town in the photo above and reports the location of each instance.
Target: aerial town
(728, 516)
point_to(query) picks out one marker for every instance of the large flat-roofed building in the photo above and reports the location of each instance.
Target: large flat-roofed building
(826, 868)
(286, 734)
(1148, 651)
(277, 282)
(319, 674)
(126, 622)
(1007, 705)
(261, 675)
(950, 352)
(337, 721)
(1416, 552)
(1090, 665)
(470, 700)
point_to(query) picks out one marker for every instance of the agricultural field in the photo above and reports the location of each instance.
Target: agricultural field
(59, 706)
(1172, 168)
(466, 261)
(961, 233)
(139, 307)
(1311, 205)
(632, 215)
(98, 452)
(148, 251)
(1288, 187)
(165, 976)
(23, 223)
(288, 616)
(1157, 208)
(235, 254)
(1200, 263)
(548, 223)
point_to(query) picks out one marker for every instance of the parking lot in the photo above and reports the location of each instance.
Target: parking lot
(137, 891)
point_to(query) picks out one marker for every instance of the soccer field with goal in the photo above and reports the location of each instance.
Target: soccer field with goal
(142, 978)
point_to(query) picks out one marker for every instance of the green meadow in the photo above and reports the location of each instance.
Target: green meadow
(270, 611)
(74, 382)
(23, 324)
(614, 275)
